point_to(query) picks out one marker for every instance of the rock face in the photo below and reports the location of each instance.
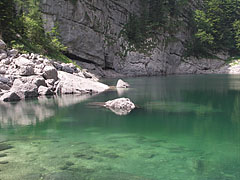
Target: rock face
(28, 76)
(122, 84)
(120, 106)
(92, 31)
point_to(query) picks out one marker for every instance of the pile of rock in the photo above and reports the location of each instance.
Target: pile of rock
(30, 75)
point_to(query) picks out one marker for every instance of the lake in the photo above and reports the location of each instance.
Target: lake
(185, 127)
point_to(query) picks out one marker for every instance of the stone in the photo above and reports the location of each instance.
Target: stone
(10, 96)
(26, 71)
(6, 61)
(71, 84)
(13, 52)
(42, 90)
(49, 72)
(120, 106)
(23, 61)
(2, 70)
(122, 84)
(4, 86)
(3, 54)
(67, 68)
(57, 65)
(4, 80)
(24, 90)
(2, 44)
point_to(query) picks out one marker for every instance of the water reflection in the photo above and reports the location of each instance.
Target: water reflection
(34, 111)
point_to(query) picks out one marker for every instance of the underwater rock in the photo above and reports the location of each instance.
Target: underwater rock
(5, 147)
(120, 106)
(4, 162)
(3, 155)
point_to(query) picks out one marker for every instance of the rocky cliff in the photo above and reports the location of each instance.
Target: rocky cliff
(91, 29)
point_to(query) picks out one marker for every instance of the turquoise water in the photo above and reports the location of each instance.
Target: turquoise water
(186, 127)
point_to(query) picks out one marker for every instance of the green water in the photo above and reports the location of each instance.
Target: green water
(186, 128)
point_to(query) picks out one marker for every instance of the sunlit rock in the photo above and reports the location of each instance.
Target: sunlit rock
(120, 106)
(122, 84)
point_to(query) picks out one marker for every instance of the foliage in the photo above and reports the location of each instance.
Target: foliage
(22, 28)
(217, 25)
(156, 17)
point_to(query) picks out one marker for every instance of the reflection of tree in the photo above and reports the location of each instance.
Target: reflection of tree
(236, 110)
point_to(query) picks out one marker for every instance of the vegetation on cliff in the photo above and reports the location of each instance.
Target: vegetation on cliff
(215, 25)
(21, 26)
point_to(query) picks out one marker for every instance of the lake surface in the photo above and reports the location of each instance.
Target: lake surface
(186, 128)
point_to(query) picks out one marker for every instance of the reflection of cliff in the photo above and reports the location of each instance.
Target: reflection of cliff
(31, 112)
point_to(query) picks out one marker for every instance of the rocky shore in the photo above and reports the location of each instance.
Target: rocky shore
(31, 75)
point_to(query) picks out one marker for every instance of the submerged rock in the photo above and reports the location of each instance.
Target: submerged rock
(122, 84)
(120, 106)
(4, 146)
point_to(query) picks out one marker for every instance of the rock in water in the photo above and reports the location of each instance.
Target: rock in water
(122, 84)
(120, 106)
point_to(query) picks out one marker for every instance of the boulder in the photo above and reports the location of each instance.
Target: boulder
(120, 106)
(122, 84)
(2, 44)
(23, 61)
(6, 61)
(71, 84)
(2, 70)
(10, 96)
(67, 68)
(3, 54)
(24, 90)
(36, 79)
(4, 86)
(26, 71)
(13, 52)
(4, 80)
(49, 72)
(42, 90)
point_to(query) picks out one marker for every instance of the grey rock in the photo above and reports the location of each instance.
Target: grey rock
(49, 72)
(3, 54)
(24, 90)
(67, 68)
(120, 106)
(23, 61)
(122, 84)
(4, 80)
(10, 96)
(6, 61)
(2, 70)
(26, 71)
(2, 44)
(71, 84)
(42, 90)
(57, 65)
(4, 86)
(13, 52)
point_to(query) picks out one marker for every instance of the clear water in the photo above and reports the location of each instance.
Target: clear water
(186, 127)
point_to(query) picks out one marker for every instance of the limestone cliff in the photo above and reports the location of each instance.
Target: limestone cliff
(91, 31)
